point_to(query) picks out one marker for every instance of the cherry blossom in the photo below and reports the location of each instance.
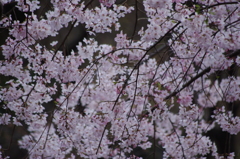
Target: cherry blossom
(167, 85)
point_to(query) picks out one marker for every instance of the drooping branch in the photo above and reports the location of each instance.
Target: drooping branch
(233, 54)
(188, 83)
(208, 69)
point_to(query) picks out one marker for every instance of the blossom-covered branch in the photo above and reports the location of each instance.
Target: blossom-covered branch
(166, 75)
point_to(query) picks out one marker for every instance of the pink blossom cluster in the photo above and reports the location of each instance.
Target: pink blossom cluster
(133, 92)
(226, 121)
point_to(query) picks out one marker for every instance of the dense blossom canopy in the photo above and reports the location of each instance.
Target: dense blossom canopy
(134, 93)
